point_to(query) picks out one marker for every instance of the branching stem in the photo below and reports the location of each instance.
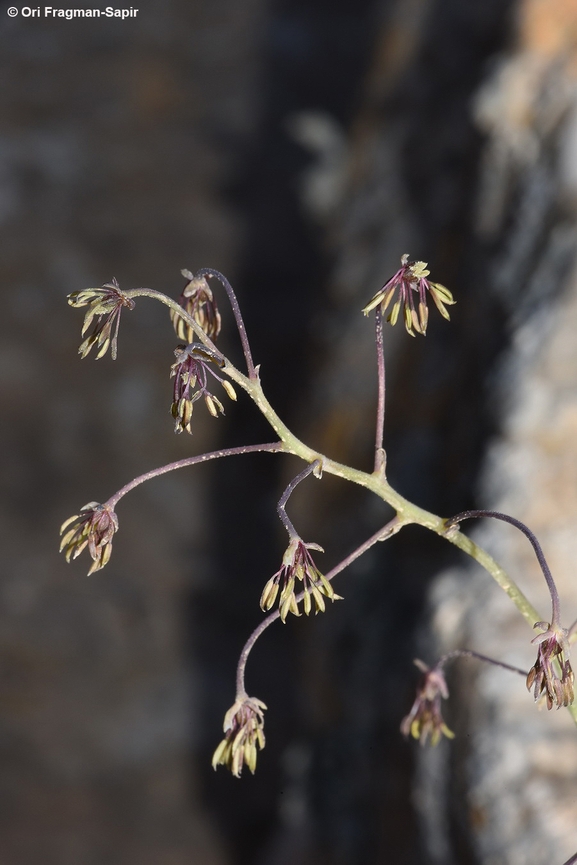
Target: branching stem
(376, 483)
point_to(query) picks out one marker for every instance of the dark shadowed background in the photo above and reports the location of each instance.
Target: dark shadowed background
(301, 147)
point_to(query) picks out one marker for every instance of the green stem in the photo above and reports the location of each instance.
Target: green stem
(555, 602)
(500, 576)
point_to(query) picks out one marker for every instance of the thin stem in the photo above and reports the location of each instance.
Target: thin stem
(383, 534)
(273, 447)
(572, 860)
(208, 271)
(555, 614)
(457, 653)
(380, 463)
(281, 506)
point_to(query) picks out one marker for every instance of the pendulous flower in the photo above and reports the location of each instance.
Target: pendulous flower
(93, 527)
(198, 300)
(554, 685)
(411, 279)
(243, 732)
(298, 564)
(425, 718)
(190, 373)
(105, 304)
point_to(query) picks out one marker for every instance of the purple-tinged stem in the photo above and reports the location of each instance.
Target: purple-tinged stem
(273, 447)
(383, 534)
(555, 603)
(379, 452)
(458, 653)
(208, 271)
(572, 860)
(281, 507)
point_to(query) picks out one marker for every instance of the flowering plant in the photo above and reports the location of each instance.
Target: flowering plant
(299, 580)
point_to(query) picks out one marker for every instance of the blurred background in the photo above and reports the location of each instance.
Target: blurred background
(301, 147)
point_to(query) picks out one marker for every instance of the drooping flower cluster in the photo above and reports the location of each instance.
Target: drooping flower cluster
(411, 280)
(190, 373)
(105, 304)
(554, 685)
(198, 300)
(94, 527)
(298, 564)
(425, 718)
(243, 733)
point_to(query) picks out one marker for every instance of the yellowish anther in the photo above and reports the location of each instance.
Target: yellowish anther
(269, 594)
(319, 600)
(230, 391)
(373, 303)
(424, 316)
(407, 312)
(444, 294)
(210, 404)
(394, 314)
